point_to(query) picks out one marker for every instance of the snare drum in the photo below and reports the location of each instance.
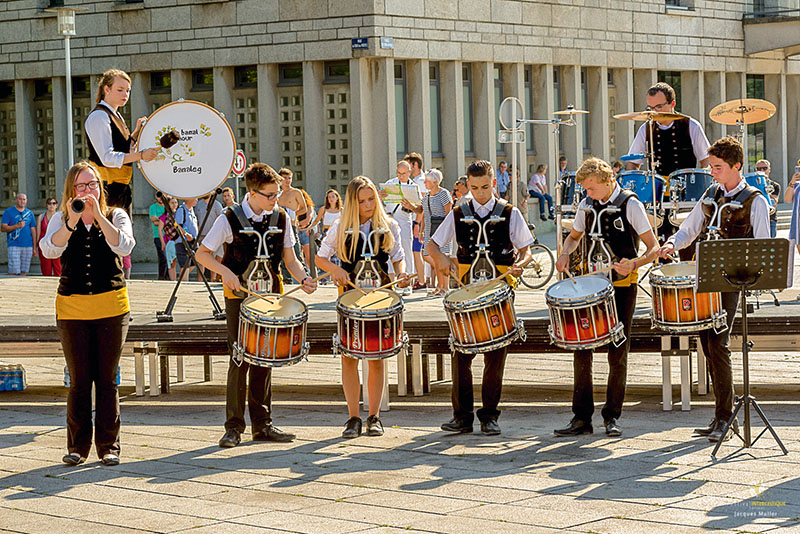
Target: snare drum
(583, 314)
(370, 326)
(482, 317)
(272, 334)
(759, 181)
(677, 306)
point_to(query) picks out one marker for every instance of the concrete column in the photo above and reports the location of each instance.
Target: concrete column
(734, 88)
(314, 139)
(693, 94)
(418, 84)
(60, 118)
(268, 136)
(774, 148)
(793, 130)
(514, 85)
(599, 119)
(626, 103)
(142, 191)
(181, 83)
(715, 91)
(485, 114)
(784, 128)
(543, 106)
(372, 123)
(26, 141)
(223, 92)
(360, 126)
(452, 98)
(573, 135)
(643, 79)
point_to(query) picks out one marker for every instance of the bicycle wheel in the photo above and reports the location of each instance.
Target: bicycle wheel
(540, 270)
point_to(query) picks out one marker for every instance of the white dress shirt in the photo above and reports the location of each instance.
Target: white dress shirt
(636, 214)
(520, 234)
(119, 219)
(98, 128)
(395, 210)
(221, 231)
(328, 247)
(696, 221)
(700, 142)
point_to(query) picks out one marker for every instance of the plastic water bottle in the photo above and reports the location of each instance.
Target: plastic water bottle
(3, 377)
(117, 378)
(66, 376)
(17, 382)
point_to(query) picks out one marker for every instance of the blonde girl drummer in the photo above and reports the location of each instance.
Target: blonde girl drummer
(363, 212)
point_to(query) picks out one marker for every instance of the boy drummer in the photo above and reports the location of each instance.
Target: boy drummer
(509, 242)
(622, 231)
(258, 211)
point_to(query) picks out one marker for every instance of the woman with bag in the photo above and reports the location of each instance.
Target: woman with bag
(435, 207)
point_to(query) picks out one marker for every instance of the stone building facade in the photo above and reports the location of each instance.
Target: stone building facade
(296, 92)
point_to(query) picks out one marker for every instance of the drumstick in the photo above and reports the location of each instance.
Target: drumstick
(457, 279)
(566, 271)
(390, 284)
(604, 269)
(317, 279)
(501, 276)
(357, 288)
(262, 297)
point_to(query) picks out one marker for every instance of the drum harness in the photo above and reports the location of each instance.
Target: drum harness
(368, 272)
(482, 268)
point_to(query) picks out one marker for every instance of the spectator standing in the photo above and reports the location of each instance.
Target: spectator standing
(792, 195)
(435, 207)
(214, 210)
(50, 267)
(402, 213)
(156, 211)
(764, 166)
(228, 198)
(168, 235)
(503, 180)
(19, 224)
(187, 220)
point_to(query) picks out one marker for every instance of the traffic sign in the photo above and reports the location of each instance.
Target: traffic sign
(510, 110)
(239, 163)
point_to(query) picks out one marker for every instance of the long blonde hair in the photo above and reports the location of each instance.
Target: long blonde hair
(69, 186)
(107, 80)
(350, 219)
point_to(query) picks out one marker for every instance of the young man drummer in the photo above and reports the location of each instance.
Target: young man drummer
(509, 242)
(258, 210)
(622, 232)
(751, 220)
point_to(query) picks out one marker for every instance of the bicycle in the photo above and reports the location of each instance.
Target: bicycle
(541, 267)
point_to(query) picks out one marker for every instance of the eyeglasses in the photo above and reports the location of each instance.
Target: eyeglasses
(658, 107)
(762, 168)
(93, 186)
(268, 196)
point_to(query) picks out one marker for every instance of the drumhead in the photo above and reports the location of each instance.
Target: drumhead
(373, 300)
(280, 308)
(675, 270)
(585, 286)
(474, 291)
(203, 158)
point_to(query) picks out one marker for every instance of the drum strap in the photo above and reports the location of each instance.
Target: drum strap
(243, 220)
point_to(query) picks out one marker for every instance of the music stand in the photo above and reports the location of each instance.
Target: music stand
(744, 264)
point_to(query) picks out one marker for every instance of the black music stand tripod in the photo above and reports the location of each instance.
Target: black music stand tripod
(744, 264)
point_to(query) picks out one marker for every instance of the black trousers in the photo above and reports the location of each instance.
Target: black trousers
(582, 393)
(92, 350)
(718, 358)
(494, 363)
(163, 273)
(259, 393)
(119, 195)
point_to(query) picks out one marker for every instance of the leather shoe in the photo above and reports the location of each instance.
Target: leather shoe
(490, 427)
(73, 459)
(352, 428)
(231, 438)
(273, 433)
(109, 458)
(457, 426)
(612, 428)
(716, 434)
(374, 426)
(708, 429)
(576, 427)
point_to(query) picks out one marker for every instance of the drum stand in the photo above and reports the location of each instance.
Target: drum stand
(166, 315)
(744, 264)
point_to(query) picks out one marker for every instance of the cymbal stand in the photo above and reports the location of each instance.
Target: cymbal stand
(653, 164)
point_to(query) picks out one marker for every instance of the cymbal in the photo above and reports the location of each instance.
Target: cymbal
(647, 115)
(742, 110)
(570, 111)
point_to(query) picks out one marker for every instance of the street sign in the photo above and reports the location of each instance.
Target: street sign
(511, 110)
(511, 136)
(387, 43)
(239, 163)
(359, 43)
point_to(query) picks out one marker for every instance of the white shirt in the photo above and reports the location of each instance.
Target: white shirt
(119, 219)
(395, 210)
(636, 215)
(98, 128)
(700, 142)
(695, 222)
(328, 248)
(221, 232)
(520, 234)
(536, 179)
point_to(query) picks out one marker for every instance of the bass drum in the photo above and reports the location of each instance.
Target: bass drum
(200, 161)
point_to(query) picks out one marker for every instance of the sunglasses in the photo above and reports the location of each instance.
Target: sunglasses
(268, 196)
(52, 203)
(762, 168)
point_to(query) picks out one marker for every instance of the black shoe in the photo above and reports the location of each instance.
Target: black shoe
(706, 430)
(716, 434)
(542, 216)
(612, 428)
(73, 459)
(110, 458)
(490, 427)
(576, 427)
(457, 426)
(352, 428)
(551, 217)
(231, 439)
(374, 426)
(273, 433)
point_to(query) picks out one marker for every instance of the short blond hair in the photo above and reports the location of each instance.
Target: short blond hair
(595, 167)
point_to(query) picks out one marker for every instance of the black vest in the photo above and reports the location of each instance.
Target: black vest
(241, 252)
(734, 223)
(673, 147)
(120, 137)
(620, 237)
(501, 250)
(380, 256)
(88, 265)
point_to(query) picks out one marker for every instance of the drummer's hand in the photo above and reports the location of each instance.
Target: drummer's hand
(403, 280)
(515, 271)
(666, 251)
(139, 123)
(562, 263)
(309, 285)
(340, 277)
(230, 280)
(149, 154)
(623, 267)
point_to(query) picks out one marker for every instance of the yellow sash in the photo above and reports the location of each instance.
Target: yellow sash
(90, 307)
(112, 175)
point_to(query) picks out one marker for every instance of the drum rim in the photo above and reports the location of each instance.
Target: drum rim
(292, 320)
(500, 294)
(715, 320)
(599, 342)
(689, 171)
(601, 295)
(383, 313)
(224, 120)
(486, 346)
(341, 349)
(305, 349)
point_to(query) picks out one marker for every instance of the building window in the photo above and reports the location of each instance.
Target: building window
(679, 4)
(246, 76)
(160, 82)
(466, 80)
(290, 74)
(557, 102)
(6, 91)
(400, 108)
(436, 110)
(756, 133)
(337, 72)
(202, 80)
(498, 99)
(56, 3)
(42, 89)
(673, 78)
(528, 105)
(81, 87)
